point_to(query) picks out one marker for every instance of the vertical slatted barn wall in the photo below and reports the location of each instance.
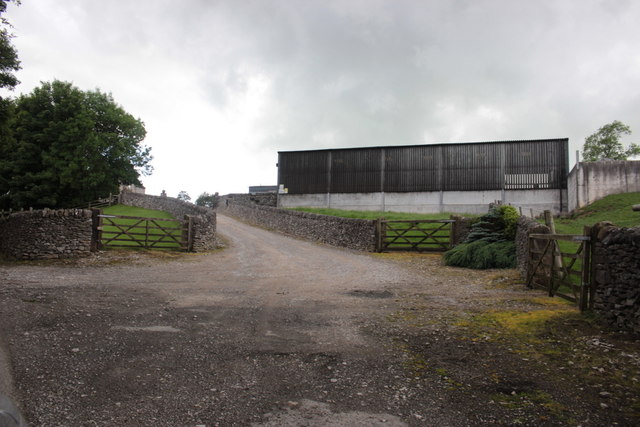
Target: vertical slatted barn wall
(468, 167)
(536, 165)
(356, 171)
(412, 168)
(510, 165)
(304, 172)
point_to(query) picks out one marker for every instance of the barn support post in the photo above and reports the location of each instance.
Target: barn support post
(328, 201)
(440, 166)
(503, 171)
(382, 166)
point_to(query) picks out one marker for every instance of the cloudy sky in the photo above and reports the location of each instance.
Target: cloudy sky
(222, 86)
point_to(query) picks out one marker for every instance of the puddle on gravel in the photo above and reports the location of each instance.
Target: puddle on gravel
(370, 294)
(157, 328)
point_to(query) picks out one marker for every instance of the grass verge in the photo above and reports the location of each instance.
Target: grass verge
(615, 208)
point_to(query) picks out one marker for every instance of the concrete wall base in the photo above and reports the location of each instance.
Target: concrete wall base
(462, 202)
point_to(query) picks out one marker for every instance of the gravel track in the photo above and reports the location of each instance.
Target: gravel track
(269, 331)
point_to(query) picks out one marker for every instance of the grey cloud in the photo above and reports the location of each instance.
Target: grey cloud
(351, 73)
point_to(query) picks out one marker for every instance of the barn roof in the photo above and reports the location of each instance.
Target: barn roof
(368, 147)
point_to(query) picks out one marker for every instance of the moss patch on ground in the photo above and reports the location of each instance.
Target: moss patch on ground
(535, 357)
(558, 341)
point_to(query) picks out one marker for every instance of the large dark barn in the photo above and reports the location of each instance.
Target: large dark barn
(462, 177)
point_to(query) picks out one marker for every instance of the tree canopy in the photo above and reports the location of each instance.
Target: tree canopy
(69, 146)
(184, 196)
(605, 143)
(207, 200)
(9, 62)
(9, 65)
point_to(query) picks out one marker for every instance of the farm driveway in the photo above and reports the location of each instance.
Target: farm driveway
(270, 331)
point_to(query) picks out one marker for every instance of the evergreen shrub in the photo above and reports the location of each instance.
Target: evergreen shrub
(482, 255)
(490, 243)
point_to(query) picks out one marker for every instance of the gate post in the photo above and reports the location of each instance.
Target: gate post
(529, 262)
(587, 289)
(453, 227)
(189, 241)
(96, 233)
(379, 236)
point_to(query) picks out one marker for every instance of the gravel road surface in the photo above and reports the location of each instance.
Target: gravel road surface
(271, 331)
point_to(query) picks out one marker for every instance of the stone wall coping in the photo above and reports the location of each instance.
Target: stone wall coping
(46, 212)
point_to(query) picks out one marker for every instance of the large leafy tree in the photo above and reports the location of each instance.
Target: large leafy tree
(605, 143)
(9, 62)
(70, 146)
(9, 65)
(207, 200)
(184, 196)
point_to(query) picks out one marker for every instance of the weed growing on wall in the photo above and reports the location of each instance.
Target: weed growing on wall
(490, 243)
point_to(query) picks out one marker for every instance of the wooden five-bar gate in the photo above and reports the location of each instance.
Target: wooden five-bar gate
(561, 265)
(414, 235)
(138, 232)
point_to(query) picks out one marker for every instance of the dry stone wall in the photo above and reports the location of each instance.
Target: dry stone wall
(204, 232)
(46, 234)
(342, 232)
(460, 229)
(526, 226)
(616, 275)
(264, 199)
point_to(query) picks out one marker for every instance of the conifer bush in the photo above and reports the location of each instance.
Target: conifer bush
(490, 243)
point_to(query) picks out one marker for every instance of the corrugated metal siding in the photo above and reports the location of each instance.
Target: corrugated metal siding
(448, 167)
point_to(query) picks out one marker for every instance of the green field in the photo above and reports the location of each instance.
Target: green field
(135, 211)
(392, 216)
(145, 231)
